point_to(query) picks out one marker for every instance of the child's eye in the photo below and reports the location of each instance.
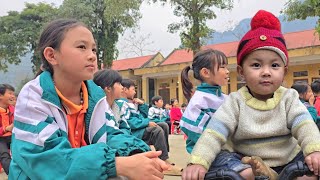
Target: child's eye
(255, 65)
(94, 50)
(82, 47)
(275, 65)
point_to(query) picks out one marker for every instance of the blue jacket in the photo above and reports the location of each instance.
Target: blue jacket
(40, 146)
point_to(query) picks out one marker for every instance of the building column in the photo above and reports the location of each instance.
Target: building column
(145, 89)
(181, 98)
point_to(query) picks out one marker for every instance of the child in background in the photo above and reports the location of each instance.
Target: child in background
(130, 109)
(210, 68)
(61, 129)
(267, 124)
(6, 124)
(175, 116)
(306, 97)
(157, 114)
(183, 107)
(167, 108)
(315, 86)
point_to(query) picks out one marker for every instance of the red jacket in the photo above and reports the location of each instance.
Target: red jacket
(6, 119)
(317, 105)
(175, 114)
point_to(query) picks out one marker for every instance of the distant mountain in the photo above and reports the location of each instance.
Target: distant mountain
(244, 26)
(17, 73)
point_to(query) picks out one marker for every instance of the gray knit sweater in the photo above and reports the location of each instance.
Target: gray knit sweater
(272, 129)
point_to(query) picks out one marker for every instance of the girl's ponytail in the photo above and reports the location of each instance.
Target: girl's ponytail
(187, 85)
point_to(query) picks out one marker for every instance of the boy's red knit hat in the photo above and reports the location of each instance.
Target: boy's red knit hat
(265, 33)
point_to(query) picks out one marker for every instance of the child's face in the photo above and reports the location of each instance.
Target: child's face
(129, 93)
(220, 76)
(167, 106)
(176, 103)
(263, 71)
(76, 59)
(8, 97)
(117, 90)
(159, 103)
(308, 94)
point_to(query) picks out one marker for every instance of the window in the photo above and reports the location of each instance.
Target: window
(300, 74)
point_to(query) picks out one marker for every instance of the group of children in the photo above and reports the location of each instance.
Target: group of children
(66, 126)
(258, 130)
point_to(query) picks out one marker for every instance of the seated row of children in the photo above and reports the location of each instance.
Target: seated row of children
(258, 130)
(133, 116)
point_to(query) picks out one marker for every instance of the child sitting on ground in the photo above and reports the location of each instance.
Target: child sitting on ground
(306, 97)
(210, 68)
(267, 124)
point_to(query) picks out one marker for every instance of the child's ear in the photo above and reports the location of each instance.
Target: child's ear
(285, 70)
(49, 54)
(205, 73)
(107, 89)
(240, 72)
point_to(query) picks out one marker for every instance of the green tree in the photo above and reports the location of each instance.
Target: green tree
(194, 15)
(107, 19)
(19, 33)
(297, 9)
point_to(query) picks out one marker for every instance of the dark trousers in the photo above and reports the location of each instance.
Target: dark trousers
(155, 136)
(166, 131)
(5, 157)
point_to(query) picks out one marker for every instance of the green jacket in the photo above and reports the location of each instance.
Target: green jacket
(40, 145)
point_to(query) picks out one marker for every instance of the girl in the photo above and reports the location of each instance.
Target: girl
(110, 81)
(175, 116)
(59, 118)
(210, 68)
(306, 97)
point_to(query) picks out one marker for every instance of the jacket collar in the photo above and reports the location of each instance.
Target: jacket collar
(207, 88)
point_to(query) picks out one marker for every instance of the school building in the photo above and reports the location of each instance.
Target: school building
(156, 75)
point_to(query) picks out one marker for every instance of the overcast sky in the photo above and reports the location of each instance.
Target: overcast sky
(156, 19)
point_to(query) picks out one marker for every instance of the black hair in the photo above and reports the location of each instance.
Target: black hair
(52, 36)
(155, 99)
(183, 105)
(127, 83)
(315, 86)
(107, 78)
(203, 59)
(5, 87)
(172, 100)
(301, 87)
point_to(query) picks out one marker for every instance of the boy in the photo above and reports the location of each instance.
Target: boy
(315, 86)
(267, 123)
(134, 112)
(6, 124)
(158, 115)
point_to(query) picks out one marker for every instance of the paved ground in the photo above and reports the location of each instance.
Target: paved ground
(178, 155)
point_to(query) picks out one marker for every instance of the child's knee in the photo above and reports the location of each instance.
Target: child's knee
(247, 174)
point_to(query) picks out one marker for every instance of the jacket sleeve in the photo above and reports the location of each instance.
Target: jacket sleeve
(221, 125)
(38, 145)
(313, 112)
(191, 122)
(136, 121)
(144, 108)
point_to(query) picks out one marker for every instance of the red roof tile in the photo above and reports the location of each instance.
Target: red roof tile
(294, 40)
(130, 63)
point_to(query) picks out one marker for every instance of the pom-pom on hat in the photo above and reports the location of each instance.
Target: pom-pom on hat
(265, 33)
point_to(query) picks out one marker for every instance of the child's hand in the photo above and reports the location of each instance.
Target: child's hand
(194, 172)
(152, 124)
(311, 100)
(137, 101)
(313, 162)
(9, 128)
(142, 166)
